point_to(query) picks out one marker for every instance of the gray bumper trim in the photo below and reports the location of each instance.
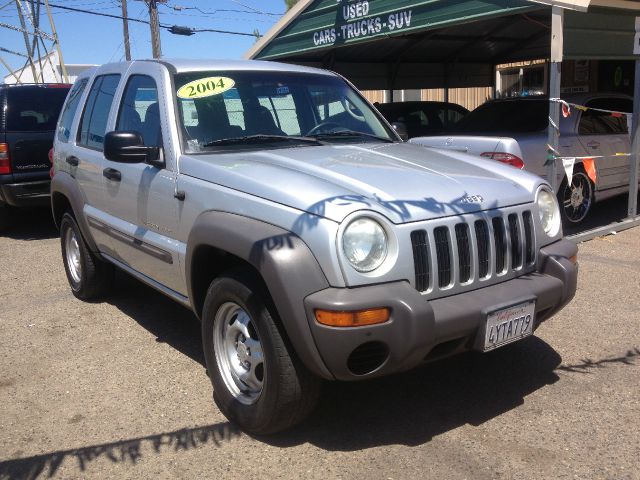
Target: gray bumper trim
(417, 326)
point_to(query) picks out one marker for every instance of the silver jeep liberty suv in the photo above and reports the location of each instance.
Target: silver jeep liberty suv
(310, 241)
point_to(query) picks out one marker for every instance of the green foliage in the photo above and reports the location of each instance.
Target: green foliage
(290, 3)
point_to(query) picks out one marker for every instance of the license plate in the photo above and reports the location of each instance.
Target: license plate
(508, 325)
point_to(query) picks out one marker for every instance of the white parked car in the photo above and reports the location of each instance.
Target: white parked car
(514, 131)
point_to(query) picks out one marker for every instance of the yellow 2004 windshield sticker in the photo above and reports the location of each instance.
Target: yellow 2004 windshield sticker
(205, 87)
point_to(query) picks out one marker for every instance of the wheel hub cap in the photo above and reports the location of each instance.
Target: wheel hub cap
(238, 352)
(577, 197)
(73, 256)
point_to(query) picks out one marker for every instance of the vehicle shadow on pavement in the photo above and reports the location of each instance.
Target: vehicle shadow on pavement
(413, 407)
(168, 321)
(31, 224)
(125, 452)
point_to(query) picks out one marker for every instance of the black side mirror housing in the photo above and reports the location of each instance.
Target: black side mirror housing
(128, 147)
(401, 129)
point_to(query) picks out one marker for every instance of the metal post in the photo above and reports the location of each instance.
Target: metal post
(63, 67)
(8, 67)
(155, 28)
(557, 18)
(27, 43)
(125, 31)
(635, 147)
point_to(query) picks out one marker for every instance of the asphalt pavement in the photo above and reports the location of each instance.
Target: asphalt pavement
(117, 389)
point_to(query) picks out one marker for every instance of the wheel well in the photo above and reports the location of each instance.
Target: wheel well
(60, 204)
(210, 262)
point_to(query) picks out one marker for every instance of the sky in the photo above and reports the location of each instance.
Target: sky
(89, 39)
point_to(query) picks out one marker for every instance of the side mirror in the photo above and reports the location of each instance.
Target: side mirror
(401, 129)
(128, 147)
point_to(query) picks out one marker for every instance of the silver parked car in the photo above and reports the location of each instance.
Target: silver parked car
(514, 131)
(310, 241)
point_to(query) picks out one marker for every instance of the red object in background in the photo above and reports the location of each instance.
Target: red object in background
(5, 161)
(590, 168)
(504, 157)
(50, 155)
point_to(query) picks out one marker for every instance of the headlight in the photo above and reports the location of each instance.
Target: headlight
(364, 243)
(549, 212)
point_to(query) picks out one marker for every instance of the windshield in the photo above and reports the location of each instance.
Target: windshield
(255, 109)
(519, 116)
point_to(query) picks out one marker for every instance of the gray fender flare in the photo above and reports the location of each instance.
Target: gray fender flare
(65, 184)
(286, 264)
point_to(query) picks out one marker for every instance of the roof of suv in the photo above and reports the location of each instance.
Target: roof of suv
(186, 65)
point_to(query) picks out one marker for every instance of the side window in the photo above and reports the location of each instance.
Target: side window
(593, 122)
(139, 110)
(93, 124)
(70, 109)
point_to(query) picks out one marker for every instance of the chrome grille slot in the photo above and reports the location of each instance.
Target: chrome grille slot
(443, 252)
(500, 242)
(516, 241)
(456, 254)
(420, 245)
(464, 252)
(482, 239)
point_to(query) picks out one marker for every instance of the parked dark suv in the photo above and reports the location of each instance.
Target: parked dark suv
(28, 117)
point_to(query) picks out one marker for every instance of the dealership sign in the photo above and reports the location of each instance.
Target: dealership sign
(327, 24)
(359, 23)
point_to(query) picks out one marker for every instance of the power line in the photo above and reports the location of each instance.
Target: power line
(162, 25)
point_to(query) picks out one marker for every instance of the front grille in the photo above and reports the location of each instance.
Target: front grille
(463, 251)
(482, 239)
(443, 250)
(421, 256)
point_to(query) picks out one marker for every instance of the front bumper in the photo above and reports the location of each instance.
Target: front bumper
(420, 330)
(26, 194)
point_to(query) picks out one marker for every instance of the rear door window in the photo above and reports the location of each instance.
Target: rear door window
(594, 122)
(34, 109)
(70, 109)
(93, 124)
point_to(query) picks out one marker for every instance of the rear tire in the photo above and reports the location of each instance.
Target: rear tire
(576, 199)
(258, 382)
(88, 276)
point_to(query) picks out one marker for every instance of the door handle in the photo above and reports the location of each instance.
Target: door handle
(593, 144)
(112, 174)
(73, 161)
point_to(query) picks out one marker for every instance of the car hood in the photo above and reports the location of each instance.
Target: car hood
(404, 182)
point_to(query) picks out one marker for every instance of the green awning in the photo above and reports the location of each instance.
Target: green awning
(435, 43)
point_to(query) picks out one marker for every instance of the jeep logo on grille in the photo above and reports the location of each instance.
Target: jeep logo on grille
(472, 199)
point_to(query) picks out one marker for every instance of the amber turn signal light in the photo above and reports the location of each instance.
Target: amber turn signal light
(352, 319)
(574, 259)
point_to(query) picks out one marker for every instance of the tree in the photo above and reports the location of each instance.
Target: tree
(290, 3)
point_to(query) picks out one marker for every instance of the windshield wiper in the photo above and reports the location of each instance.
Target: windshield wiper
(350, 133)
(260, 139)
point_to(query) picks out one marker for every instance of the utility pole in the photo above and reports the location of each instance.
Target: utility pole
(125, 31)
(155, 28)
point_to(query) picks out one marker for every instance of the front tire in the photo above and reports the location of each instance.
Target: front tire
(88, 276)
(258, 382)
(576, 199)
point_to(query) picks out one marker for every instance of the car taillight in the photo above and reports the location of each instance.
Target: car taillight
(5, 161)
(504, 157)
